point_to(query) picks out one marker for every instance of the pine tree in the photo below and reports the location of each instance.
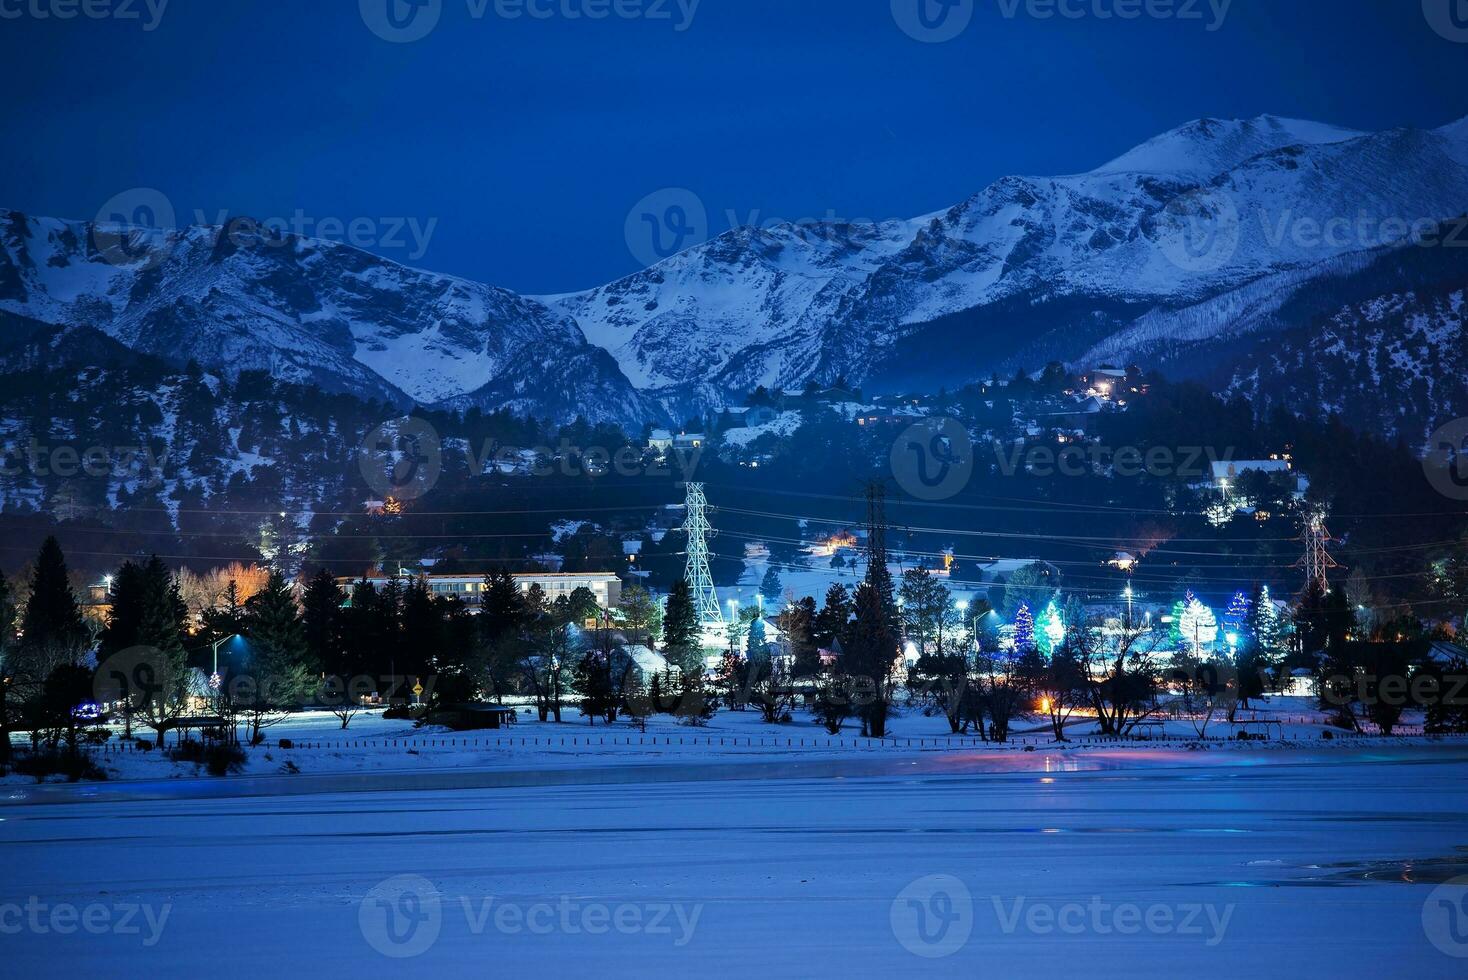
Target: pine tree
(1049, 629)
(682, 632)
(754, 642)
(1236, 616)
(321, 618)
(160, 633)
(277, 667)
(771, 587)
(7, 654)
(799, 624)
(639, 611)
(1267, 626)
(52, 631)
(833, 622)
(1024, 629)
(872, 658)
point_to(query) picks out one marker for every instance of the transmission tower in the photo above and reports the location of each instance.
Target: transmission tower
(878, 575)
(696, 572)
(1316, 561)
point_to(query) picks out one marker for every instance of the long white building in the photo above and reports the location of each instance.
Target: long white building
(606, 586)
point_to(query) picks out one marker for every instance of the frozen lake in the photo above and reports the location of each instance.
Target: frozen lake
(1125, 863)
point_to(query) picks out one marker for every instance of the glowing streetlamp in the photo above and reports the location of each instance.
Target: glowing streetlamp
(214, 679)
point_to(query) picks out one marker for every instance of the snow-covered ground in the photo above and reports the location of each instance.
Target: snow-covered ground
(1133, 862)
(374, 744)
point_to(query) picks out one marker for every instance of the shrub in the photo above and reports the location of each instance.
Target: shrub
(218, 758)
(75, 766)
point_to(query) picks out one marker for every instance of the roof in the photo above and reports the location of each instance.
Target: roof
(1443, 652)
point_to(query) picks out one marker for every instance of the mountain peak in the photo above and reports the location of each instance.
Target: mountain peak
(1207, 146)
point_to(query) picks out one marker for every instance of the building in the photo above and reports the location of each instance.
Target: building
(747, 417)
(660, 441)
(606, 586)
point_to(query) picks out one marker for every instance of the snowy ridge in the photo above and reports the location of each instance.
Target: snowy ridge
(1094, 265)
(308, 311)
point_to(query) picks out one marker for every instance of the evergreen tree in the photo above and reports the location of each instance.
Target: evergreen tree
(52, 630)
(639, 611)
(872, 657)
(321, 619)
(754, 642)
(277, 669)
(1237, 616)
(125, 615)
(833, 622)
(1024, 629)
(771, 588)
(799, 623)
(7, 654)
(160, 632)
(682, 632)
(1049, 629)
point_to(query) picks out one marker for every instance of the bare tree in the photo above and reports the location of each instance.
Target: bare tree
(1120, 672)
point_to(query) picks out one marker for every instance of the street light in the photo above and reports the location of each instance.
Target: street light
(214, 679)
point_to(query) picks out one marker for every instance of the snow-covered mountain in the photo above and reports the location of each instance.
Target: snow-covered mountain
(1171, 239)
(1385, 346)
(1198, 239)
(308, 311)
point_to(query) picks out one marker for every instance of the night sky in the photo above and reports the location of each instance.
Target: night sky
(529, 139)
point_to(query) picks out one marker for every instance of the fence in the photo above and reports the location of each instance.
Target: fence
(622, 741)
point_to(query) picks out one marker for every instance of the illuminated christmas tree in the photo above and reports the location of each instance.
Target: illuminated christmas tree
(1049, 629)
(1236, 616)
(1024, 629)
(1199, 627)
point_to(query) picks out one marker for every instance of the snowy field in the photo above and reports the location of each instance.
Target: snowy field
(1132, 861)
(376, 744)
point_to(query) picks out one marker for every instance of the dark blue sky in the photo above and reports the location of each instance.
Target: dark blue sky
(528, 140)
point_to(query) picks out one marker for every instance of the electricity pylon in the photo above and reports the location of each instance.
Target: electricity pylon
(696, 572)
(1316, 561)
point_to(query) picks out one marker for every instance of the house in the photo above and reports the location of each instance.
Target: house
(760, 415)
(747, 417)
(660, 441)
(688, 441)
